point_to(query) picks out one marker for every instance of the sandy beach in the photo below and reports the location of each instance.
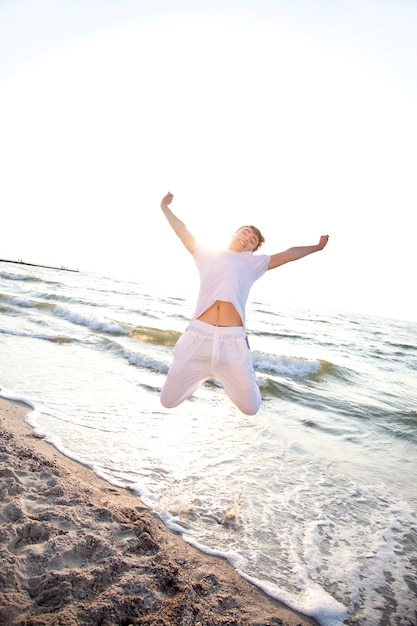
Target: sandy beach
(76, 550)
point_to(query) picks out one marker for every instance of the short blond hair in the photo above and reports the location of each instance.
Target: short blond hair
(261, 238)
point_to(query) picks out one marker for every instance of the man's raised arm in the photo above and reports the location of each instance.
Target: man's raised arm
(298, 252)
(177, 225)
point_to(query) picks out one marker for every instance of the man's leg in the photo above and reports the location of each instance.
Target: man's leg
(188, 370)
(235, 371)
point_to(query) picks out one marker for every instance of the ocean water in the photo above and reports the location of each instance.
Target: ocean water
(314, 499)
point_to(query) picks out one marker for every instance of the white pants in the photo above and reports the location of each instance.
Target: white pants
(220, 352)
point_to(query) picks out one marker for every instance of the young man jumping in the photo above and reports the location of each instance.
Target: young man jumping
(214, 345)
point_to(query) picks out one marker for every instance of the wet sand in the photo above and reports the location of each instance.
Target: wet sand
(76, 550)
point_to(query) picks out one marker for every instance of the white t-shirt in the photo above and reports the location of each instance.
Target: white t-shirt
(226, 275)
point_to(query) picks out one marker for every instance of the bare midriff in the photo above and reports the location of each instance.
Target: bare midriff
(221, 313)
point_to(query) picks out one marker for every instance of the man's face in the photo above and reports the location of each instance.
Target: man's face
(244, 240)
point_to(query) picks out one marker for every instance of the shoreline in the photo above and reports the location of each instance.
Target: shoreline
(79, 551)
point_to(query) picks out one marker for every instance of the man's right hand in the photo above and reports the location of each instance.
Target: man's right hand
(166, 200)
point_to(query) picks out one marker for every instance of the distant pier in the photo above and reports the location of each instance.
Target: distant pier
(49, 267)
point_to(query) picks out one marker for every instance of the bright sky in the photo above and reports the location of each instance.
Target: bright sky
(299, 116)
